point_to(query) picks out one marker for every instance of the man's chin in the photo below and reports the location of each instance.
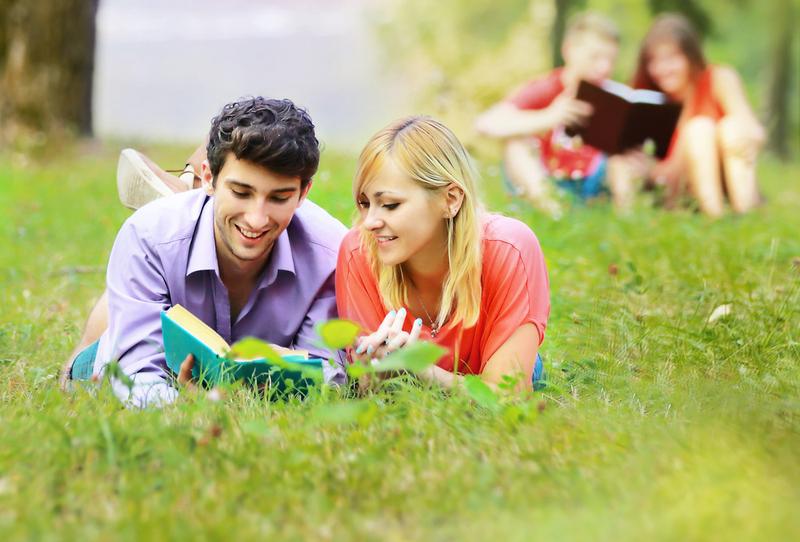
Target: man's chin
(251, 254)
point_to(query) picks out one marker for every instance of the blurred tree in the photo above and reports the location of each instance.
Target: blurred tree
(46, 66)
(564, 8)
(780, 77)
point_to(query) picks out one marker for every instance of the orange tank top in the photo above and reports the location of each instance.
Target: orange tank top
(702, 103)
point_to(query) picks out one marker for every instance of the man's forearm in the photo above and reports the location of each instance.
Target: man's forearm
(506, 121)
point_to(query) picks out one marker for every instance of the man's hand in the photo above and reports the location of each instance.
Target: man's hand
(389, 336)
(185, 372)
(567, 111)
(185, 380)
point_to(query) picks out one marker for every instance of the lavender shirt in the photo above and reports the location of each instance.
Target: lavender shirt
(165, 254)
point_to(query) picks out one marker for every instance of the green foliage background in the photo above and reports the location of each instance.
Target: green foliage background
(460, 57)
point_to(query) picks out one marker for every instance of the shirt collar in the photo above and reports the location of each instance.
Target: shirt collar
(203, 250)
(281, 259)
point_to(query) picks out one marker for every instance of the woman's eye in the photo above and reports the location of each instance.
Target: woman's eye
(363, 204)
(390, 206)
(239, 194)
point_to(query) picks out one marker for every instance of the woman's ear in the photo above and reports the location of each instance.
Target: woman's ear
(454, 199)
(206, 178)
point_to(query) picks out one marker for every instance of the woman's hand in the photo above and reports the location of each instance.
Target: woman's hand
(388, 337)
(667, 173)
(744, 138)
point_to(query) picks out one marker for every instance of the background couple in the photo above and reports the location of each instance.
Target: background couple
(713, 151)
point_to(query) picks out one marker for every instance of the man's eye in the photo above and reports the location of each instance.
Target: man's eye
(239, 194)
(390, 206)
(279, 200)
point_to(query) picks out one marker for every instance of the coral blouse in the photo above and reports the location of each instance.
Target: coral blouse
(515, 291)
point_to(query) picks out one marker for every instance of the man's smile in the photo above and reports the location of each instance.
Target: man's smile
(248, 234)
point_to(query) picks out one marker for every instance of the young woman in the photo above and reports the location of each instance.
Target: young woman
(718, 136)
(425, 261)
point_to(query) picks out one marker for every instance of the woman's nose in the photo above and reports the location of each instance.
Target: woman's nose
(372, 221)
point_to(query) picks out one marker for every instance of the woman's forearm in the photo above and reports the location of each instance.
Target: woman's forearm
(437, 375)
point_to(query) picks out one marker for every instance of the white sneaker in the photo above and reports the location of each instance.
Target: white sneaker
(137, 184)
(188, 177)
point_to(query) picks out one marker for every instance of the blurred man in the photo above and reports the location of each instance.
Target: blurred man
(531, 121)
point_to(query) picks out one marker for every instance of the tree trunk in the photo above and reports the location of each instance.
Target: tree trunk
(46, 66)
(564, 8)
(780, 82)
(557, 32)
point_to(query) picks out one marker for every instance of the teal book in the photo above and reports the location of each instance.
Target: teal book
(184, 334)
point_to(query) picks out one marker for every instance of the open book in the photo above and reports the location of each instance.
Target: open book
(184, 334)
(624, 118)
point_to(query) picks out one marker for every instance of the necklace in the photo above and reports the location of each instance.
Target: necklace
(434, 325)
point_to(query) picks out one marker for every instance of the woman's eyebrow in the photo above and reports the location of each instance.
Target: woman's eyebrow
(384, 192)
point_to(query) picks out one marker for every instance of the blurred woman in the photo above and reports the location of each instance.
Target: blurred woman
(718, 137)
(425, 261)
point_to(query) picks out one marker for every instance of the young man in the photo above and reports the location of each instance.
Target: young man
(248, 254)
(532, 120)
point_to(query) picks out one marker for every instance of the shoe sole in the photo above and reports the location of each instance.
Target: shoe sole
(136, 183)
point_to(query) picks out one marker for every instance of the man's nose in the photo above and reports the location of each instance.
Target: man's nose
(257, 215)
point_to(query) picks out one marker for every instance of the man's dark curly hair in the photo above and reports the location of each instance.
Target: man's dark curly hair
(275, 134)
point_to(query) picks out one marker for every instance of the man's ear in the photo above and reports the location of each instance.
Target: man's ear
(304, 193)
(454, 199)
(206, 178)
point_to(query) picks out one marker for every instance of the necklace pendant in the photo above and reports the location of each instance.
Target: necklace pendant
(434, 331)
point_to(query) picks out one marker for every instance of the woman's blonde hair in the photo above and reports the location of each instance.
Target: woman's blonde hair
(430, 154)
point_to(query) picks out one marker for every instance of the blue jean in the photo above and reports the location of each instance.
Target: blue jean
(83, 364)
(539, 376)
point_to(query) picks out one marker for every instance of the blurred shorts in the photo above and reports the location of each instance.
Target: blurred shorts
(583, 188)
(587, 187)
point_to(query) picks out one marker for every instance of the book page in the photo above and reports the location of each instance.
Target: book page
(634, 95)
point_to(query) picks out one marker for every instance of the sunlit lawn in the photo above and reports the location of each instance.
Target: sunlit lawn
(656, 425)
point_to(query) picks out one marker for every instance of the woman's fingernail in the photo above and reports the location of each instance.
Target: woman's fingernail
(369, 350)
(402, 312)
(418, 322)
(360, 349)
(392, 313)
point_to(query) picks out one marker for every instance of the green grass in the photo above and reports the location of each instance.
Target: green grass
(658, 425)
